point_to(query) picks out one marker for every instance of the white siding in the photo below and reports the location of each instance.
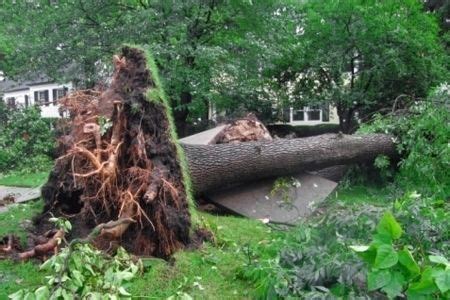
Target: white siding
(49, 110)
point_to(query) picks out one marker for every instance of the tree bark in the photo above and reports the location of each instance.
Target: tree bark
(214, 167)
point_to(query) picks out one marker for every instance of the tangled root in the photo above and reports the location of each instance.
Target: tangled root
(118, 161)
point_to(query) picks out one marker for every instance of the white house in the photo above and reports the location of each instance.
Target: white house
(41, 92)
(313, 115)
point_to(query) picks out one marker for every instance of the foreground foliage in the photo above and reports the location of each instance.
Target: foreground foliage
(393, 269)
(84, 271)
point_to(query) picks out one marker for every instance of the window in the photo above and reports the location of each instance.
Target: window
(58, 94)
(27, 101)
(314, 113)
(41, 97)
(298, 115)
(310, 114)
(11, 102)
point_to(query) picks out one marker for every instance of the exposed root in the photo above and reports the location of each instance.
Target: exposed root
(118, 162)
(243, 130)
(48, 247)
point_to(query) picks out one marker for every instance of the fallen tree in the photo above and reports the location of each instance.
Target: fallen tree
(120, 161)
(217, 166)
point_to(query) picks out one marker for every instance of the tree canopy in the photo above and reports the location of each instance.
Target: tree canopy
(238, 55)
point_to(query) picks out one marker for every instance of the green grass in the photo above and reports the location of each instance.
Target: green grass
(17, 275)
(210, 272)
(24, 180)
(361, 194)
(207, 273)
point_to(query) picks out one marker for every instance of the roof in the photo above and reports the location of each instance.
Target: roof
(9, 85)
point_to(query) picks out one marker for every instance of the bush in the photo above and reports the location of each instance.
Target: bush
(422, 140)
(395, 270)
(26, 140)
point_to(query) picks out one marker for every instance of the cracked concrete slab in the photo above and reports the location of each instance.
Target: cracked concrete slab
(20, 194)
(286, 206)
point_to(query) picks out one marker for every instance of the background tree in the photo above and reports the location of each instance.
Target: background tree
(361, 56)
(195, 43)
(238, 55)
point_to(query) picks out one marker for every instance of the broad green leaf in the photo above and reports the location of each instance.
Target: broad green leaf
(123, 292)
(439, 260)
(68, 225)
(378, 279)
(442, 279)
(424, 287)
(42, 293)
(29, 296)
(407, 260)
(17, 295)
(66, 295)
(389, 226)
(359, 248)
(386, 257)
(369, 255)
(93, 296)
(395, 287)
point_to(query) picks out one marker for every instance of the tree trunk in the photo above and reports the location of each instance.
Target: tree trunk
(217, 166)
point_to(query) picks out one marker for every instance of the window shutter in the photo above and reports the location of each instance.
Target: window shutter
(47, 98)
(26, 101)
(55, 100)
(36, 99)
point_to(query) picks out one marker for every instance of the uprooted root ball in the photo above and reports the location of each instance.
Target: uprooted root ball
(119, 160)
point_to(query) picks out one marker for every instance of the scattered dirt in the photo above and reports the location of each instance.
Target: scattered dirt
(243, 130)
(8, 199)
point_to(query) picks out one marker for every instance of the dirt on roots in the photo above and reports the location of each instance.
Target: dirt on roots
(118, 160)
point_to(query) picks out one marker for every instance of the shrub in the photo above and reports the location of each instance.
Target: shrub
(26, 140)
(422, 140)
(394, 270)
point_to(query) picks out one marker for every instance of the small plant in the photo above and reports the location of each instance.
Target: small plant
(282, 186)
(104, 124)
(61, 223)
(81, 270)
(393, 269)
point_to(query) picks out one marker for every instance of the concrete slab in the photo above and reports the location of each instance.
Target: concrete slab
(20, 194)
(286, 206)
(203, 138)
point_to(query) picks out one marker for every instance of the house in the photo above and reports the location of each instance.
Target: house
(313, 115)
(41, 91)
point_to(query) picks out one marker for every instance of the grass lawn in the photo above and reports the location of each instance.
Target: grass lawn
(27, 180)
(211, 272)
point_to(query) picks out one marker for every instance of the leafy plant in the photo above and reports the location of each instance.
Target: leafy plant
(104, 124)
(422, 138)
(79, 269)
(26, 140)
(393, 269)
(282, 186)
